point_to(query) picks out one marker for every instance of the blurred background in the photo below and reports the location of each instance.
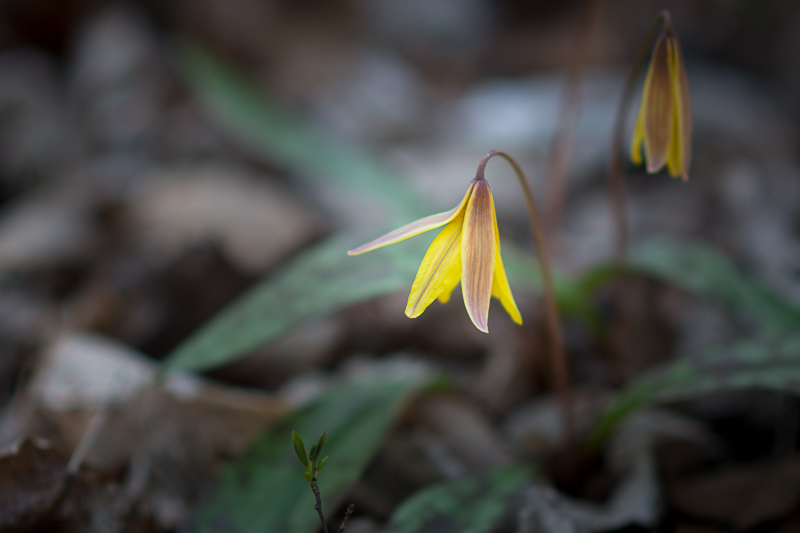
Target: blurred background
(160, 159)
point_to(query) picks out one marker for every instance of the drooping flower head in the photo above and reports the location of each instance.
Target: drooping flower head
(466, 250)
(664, 122)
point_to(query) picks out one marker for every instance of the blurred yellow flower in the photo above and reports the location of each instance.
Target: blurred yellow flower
(467, 250)
(664, 122)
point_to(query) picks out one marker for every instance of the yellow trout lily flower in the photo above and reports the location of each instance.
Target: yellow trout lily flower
(664, 122)
(467, 250)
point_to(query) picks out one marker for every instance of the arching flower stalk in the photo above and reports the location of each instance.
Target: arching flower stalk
(663, 128)
(467, 250)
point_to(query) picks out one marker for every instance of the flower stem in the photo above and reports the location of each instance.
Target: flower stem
(616, 176)
(558, 359)
(318, 505)
(347, 516)
(616, 166)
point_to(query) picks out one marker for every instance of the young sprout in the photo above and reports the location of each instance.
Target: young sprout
(313, 466)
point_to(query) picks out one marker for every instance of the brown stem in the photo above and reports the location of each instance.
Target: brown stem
(558, 359)
(567, 124)
(616, 161)
(623, 351)
(346, 517)
(318, 505)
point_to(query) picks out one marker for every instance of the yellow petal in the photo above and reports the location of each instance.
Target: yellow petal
(440, 268)
(658, 105)
(414, 228)
(638, 137)
(678, 164)
(478, 249)
(502, 291)
(674, 157)
(444, 297)
(500, 287)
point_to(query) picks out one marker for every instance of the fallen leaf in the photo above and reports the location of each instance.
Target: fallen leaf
(32, 479)
(254, 221)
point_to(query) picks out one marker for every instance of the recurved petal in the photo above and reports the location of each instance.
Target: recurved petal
(658, 107)
(447, 290)
(638, 137)
(478, 254)
(502, 291)
(682, 137)
(414, 228)
(440, 269)
(500, 287)
(675, 154)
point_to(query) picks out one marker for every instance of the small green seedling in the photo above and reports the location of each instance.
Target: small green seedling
(310, 461)
(313, 468)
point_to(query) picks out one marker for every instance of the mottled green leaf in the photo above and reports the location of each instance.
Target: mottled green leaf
(705, 272)
(264, 490)
(475, 505)
(770, 362)
(265, 129)
(319, 281)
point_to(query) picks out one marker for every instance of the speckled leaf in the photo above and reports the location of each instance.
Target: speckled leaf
(771, 362)
(707, 273)
(264, 490)
(268, 131)
(474, 505)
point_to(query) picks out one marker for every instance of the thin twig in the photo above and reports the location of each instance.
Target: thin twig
(88, 439)
(567, 124)
(346, 517)
(558, 358)
(318, 505)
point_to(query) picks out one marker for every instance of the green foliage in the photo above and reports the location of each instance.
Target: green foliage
(299, 449)
(706, 273)
(318, 282)
(262, 127)
(323, 280)
(262, 491)
(474, 505)
(769, 359)
(771, 362)
(310, 461)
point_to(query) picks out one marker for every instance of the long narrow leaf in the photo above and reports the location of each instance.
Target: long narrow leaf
(323, 280)
(769, 362)
(262, 127)
(475, 505)
(318, 282)
(705, 272)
